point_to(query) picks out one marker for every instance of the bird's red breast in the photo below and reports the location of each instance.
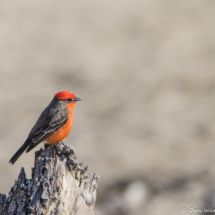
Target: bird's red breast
(62, 132)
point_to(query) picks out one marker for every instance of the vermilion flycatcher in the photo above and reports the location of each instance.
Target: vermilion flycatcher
(53, 125)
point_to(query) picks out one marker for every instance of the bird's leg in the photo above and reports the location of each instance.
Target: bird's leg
(62, 143)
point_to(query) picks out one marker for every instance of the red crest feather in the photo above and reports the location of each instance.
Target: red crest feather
(64, 95)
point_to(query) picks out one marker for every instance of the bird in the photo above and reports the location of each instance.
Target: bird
(53, 125)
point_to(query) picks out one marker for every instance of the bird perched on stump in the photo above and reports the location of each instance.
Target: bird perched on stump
(53, 125)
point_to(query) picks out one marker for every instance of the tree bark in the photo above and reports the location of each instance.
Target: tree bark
(59, 186)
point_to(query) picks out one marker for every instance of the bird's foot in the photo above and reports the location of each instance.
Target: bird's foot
(60, 143)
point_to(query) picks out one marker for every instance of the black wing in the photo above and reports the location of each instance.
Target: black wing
(50, 121)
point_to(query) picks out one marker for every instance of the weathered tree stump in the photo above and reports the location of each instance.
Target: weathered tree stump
(59, 186)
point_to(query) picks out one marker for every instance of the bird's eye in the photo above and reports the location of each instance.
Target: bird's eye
(69, 100)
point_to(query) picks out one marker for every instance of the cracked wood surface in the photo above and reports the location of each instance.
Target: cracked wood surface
(59, 186)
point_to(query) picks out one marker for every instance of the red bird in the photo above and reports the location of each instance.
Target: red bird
(53, 125)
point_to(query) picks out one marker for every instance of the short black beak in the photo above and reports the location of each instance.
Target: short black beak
(77, 99)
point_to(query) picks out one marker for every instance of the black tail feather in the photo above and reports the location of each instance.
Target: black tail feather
(31, 147)
(20, 151)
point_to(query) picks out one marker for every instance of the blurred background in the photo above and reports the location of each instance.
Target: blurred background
(145, 72)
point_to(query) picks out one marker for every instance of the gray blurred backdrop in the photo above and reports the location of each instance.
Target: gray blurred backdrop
(146, 73)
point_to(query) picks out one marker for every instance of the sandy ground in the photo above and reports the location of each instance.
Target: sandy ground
(145, 72)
